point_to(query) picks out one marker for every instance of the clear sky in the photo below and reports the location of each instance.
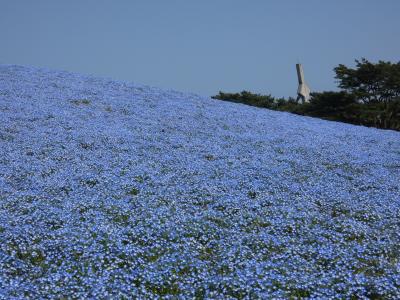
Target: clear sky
(201, 46)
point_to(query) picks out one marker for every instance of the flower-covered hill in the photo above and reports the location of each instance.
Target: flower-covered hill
(112, 189)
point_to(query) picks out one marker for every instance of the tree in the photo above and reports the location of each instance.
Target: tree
(248, 98)
(370, 82)
(331, 102)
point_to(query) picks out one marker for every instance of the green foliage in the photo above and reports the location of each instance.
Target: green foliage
(289, 105)
(380, 115)
(248, 98)
(370, 82)
(331, 101)
(370, 97)
(329, 105)
(334, 106)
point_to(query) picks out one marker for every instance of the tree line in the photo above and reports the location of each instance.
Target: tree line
(369, 95)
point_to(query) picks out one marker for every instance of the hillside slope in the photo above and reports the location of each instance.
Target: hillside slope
(112, 189)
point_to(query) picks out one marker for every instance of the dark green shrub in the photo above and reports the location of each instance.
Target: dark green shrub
(248, 98)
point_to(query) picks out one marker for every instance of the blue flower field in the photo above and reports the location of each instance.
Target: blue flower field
(114, 190)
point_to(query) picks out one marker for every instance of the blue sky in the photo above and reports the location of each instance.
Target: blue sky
(201, 46)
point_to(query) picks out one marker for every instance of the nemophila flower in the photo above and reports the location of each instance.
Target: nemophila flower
(110, 189)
